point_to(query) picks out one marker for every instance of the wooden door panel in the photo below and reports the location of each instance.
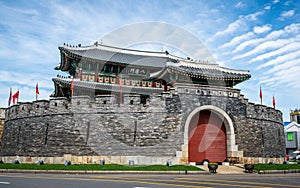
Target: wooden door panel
(207, 138)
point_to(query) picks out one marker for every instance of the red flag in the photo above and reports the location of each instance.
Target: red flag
(274, 102)
(37, 92)
(15, 96)
(9, 98)
(260, 95)
(37, 89)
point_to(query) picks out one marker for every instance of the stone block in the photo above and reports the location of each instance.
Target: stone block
(89, 159)
(96, 159)
(58, 160)
(84, 160)
(67, 157)
(74, 159)
(79, 160)
(122, 159)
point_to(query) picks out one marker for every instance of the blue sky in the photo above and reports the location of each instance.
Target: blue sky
(260, 36)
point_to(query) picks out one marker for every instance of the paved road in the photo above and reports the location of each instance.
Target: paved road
(138, 181)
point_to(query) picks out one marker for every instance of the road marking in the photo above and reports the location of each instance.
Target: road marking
(120, 180)
(6, 183)
(246, 184)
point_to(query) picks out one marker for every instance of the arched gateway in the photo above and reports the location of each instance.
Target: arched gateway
(209, 134)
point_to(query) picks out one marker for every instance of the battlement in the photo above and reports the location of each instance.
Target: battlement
(258, 111)
(81, 104)
(134, 102)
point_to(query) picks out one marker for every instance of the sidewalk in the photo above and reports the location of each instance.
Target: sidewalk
(225, 169)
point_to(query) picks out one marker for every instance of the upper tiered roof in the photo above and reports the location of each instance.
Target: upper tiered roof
(164, 60)
(118, 55)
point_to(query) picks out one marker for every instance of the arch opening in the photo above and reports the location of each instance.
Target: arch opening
(207, 138)
(209, 134)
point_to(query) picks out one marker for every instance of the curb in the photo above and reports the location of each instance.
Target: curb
(99, 172)
(278, 171)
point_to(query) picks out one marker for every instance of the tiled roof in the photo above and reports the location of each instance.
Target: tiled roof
(119, 55)
(156, 59)
(210, 73)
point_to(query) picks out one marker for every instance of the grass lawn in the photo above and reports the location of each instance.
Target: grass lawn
(258, 167)
(99, 167)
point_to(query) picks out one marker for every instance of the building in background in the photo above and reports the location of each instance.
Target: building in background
(292, 134)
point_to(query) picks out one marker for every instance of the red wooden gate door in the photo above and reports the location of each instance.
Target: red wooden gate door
(207, 138)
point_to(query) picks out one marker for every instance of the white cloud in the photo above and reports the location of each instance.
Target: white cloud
(285, 66)
(268, 7)
(276, 1)
(231, 28)
(281, 59)
(262, 29)
(240, 5)
(265, 46)
(287, 78)
(288, 30)
(28, 79)
(286, 14)
(238, 39)
(291, 46)
(289, 13)
(238, 24)
(253, 17)
(252, 42)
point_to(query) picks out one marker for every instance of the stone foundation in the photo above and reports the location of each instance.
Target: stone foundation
(138, 160)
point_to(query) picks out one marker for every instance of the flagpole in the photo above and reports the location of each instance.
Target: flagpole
(10, 95)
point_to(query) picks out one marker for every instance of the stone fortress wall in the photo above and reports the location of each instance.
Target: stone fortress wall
(85, 130)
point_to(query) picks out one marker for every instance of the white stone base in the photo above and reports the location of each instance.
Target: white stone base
(138, 160)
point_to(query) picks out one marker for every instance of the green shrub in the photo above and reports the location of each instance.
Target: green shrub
(258, 167)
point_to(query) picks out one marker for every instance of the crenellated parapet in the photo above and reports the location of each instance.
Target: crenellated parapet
(37, 109)
(79, 104)
(257, 111)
